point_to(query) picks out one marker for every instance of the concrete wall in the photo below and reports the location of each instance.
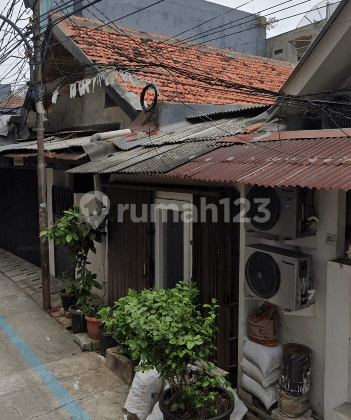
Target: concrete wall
(98, 261)
(338, 324)
(309, 326)
(280, 47)
(87, 111)
(172, 17)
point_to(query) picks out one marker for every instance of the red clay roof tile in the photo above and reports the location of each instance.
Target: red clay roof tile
(12, 102)
(112, 45)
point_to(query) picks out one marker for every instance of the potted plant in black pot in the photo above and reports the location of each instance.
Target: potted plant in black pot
(69, 293)
(73, 230)
(106, 340)
(165, 329)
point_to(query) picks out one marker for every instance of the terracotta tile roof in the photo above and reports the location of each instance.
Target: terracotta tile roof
(164, 56)
(12, 102)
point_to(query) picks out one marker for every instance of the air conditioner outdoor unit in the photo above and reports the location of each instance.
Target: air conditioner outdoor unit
(285, 211)
(278, 275)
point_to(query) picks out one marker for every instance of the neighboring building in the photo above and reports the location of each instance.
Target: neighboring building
(11, 105)
(291, 46)
(184, 19)
(5, 91)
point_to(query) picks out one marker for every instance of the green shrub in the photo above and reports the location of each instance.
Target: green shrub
(165, 329)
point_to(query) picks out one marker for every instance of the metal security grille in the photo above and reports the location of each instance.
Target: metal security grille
(62, 199)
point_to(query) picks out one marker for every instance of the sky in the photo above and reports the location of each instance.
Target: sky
(294, 7)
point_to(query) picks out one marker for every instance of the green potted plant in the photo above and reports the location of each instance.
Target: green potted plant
(74, 231)
(165, 329)
(106, 339)
(69, 293)
(91, 312)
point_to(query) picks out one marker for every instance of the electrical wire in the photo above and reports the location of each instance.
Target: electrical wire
(244, 30)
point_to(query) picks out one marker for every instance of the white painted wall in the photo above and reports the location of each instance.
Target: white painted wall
(98, 261)
(337, 349)
(311, 331)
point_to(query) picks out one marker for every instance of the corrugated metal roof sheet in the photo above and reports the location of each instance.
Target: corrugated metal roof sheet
(187, 141)
(201, 131)
(229, 111)
(148, 160)
(50, 144)
(60, 156)
(163, 159)
(320, 163)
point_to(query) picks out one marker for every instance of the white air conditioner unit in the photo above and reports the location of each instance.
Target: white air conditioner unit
(278, 275)
(282, 212)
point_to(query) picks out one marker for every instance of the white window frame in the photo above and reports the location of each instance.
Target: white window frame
(179, 200)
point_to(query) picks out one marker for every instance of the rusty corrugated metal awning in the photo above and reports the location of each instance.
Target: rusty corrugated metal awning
(312, 162)
(51, 155)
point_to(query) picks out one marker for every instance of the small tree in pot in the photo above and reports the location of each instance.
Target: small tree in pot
(165, 329)
(106, 339)
(74, 231)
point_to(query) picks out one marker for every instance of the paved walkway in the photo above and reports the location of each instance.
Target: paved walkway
(43, 374)
(27, 276)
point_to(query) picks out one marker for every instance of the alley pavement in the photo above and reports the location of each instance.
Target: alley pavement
(43, 373)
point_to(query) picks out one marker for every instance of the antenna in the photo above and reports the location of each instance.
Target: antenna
(310, 26)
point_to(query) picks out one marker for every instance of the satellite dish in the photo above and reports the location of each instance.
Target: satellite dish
(310, 26)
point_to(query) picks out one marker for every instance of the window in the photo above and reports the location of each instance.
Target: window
(109, 102)
(276, 52)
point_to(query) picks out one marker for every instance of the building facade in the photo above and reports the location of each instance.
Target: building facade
(196, 20)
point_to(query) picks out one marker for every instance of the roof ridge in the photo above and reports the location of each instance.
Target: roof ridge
(183, 43)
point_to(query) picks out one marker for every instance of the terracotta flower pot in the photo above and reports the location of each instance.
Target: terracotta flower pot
(93, 327)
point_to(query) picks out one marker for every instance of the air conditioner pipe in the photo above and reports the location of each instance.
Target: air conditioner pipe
(109, 135)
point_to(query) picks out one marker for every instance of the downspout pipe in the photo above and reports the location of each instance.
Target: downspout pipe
(109, 135)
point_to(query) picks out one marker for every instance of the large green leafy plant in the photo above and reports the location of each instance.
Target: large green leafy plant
(165, 329)
(74, 231)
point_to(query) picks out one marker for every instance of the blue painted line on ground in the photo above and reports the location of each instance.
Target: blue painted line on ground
(62, 395)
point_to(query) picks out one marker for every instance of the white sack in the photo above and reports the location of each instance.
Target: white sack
(266, 358)
(239, 407)
(254, 372)
(156, 413)
(265, 395)
(140, 401)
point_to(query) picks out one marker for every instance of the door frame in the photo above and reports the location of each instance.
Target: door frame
(177, 199)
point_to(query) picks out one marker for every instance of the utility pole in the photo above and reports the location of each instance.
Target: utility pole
(35, 79)
(41, 169)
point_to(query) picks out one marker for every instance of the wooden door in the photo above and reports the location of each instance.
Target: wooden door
(129, 263)
(216, 271)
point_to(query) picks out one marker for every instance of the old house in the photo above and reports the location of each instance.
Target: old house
(94, 75)
(297, 154)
